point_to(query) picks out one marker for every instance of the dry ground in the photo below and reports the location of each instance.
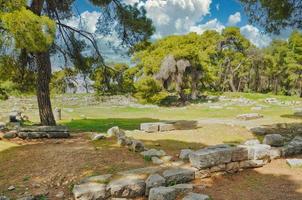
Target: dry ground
(50, 166)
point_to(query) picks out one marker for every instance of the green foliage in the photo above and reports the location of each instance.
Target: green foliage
(274, 15)
(149, 90)
(31, 32)
(62, 80)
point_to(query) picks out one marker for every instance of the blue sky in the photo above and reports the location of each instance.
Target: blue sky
(179, 17)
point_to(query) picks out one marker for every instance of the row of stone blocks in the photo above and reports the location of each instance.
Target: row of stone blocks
(37, 132)
(169, 185)
(168, 126)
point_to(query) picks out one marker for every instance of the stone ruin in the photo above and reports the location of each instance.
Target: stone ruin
(168, 126)
(37, 132)
(170, 180)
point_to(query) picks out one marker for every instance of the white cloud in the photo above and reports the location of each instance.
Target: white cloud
(234, 19)
(176, 16)
(86, 20)
(255, 36)
(210, 25)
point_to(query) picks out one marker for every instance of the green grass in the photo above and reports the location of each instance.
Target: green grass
(102, 125)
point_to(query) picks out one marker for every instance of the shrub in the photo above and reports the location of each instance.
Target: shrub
(149, 90)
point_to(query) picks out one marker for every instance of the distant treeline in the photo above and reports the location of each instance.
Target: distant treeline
(181, 68)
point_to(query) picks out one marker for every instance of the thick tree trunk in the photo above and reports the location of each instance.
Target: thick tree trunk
(43, 76)
(43, 93)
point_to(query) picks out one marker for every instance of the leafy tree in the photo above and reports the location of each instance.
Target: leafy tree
(33, 29)
(63, 80)
(274, 15)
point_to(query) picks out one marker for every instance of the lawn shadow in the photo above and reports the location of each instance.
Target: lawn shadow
(102, 125)
(253, 185)
(293, 116)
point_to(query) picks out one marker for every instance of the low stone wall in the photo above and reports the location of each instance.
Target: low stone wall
(37, 132)
(168, 126)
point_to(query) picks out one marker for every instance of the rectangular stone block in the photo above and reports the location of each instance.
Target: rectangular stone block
(239, 154)
(166, 127)
(150, 127)
(211, 156)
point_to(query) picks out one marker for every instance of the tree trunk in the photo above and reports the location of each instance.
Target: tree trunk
(43, 93)
(231, 82)
(43, 76)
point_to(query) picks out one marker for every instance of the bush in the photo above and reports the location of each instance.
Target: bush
(3, 94)
(148, 90)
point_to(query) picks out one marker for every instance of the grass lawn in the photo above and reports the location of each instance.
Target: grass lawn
(6, 145)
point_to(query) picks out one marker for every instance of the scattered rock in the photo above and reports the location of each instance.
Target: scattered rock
(60, 195)
(97, 136)
(203, 173)
(195, 196)
(122, 141)
(157, 161)
(4, 198)
(2, 126)
(294, 162)
(11, 188)
(115, 132)
(271, 100)
(184, 154)
(137, 146)
(249, 116)
(153, 153)
(258, 130)
(275, 153)
(218, 168)
(166, 158)
(275, 140)
(127, 187)
(154, 180)
(179, 175)
(90, 191)
(162, 193)
(232, 167)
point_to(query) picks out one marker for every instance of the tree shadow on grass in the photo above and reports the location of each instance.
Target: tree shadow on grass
(102, 125)
(253, 185)
(292, 116)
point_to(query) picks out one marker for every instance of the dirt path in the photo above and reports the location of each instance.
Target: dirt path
(51, 166)
(275, 181)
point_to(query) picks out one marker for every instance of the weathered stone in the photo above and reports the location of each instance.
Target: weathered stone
(60, 195)
(157, 161)
(127, 187)
(294, 162)
(258, 152)
(239, 154)
(166, 127)
(137, 146)
(232, 167)
(203, 173)
(258, 130)
(10, 188)
(29, 198)
(97, 136)
(90, 191)
(251, 142)
(249, 116)
(293, 148)
(44, 129)
(195, 196)
(97, 179)
(184, 154)
(211, 156)
(150, 127)
(178, 175)
(218, 168)
(31, 135)
(162, 193)
(4, 198)
(154, 180)
(115, 132)
(10, 135)
(275, 153)
(153, 153)
(251, 163)
(122, 141)
(275, 140)
(2, 126)
(183, 188)
(166, 158)
(57, 134)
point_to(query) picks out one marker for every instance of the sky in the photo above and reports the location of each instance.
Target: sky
(178, 17)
